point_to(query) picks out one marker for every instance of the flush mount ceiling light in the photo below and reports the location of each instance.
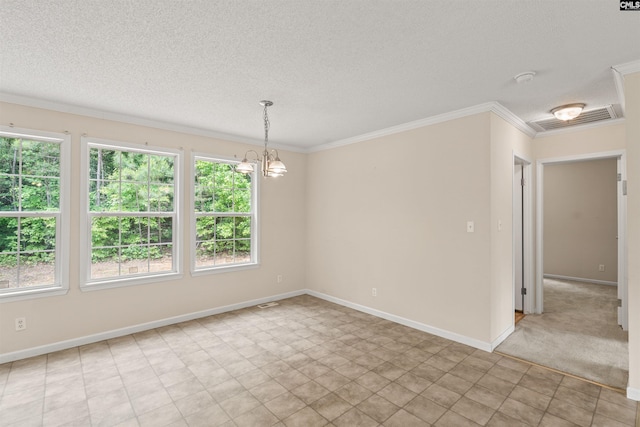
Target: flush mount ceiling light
(272, 166)
(568, 112)
(525, 77)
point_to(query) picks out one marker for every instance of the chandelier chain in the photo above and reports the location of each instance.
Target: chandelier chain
(266, 126)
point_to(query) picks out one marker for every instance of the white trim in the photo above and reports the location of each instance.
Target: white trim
(580, 279)
(527, 234)
(633, 393)
(618, 79)
(254, 215)
(482, 345)
(88, 339)
(503, 336)
(628, 67)
(86, 284)
(127, 118)
(61, 285)
(493, 107)
(578, 128)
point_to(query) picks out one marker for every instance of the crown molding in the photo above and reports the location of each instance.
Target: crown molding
(126, 118)
(618, 80)
(628, 67)
(493, 107)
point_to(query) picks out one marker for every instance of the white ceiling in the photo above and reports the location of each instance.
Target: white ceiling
(334, 69)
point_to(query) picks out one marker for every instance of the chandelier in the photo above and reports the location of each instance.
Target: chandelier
(272, 166)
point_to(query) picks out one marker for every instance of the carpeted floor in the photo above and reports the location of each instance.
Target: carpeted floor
(577, 333)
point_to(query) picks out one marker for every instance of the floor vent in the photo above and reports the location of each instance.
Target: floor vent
(267, 304)
(595, 115)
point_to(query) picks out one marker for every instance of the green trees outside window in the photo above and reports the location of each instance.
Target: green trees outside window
(132, 212)
(29, 212)
(224, 214)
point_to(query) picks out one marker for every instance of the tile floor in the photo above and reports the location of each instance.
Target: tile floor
(305, 362)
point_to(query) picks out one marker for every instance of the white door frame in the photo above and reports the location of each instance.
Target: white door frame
(622, 225)
(527, 234)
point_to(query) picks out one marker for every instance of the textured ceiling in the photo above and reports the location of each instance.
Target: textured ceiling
(334, 69)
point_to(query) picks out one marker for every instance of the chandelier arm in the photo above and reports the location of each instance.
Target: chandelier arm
(252, 151)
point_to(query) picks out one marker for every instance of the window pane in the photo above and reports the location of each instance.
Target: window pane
(204, 254)
(242, 200)
(9, 155)
(134, 231)
(8, 271)
(37, 234)
(243, 251)
(40, 159)
(105, 263)
(105, 231)
(223, 199)
(135, 166)
(242, 180)
(224, 228)
(161, 168)
(9, 193)
(161, 229)
(37, 269)
(161, 259)
(130, 198)
(135, 260)
(104, 164)
(8, 235)
(243, 227)
(223, 252)
(161, 198)
(205, 228)
(203, 199)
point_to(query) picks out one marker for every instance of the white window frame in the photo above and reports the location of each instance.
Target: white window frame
(88, 284)
(61, 281)
(254, 214)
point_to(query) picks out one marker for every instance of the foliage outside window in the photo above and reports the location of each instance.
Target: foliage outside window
(32, 205)
(131, 212)
(225, 215)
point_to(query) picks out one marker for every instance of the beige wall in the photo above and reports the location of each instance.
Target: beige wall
(392, 215)
(580, 219)
(79, 314)
(632, 96)
(506, 141)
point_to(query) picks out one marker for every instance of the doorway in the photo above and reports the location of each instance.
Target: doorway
(621, 228)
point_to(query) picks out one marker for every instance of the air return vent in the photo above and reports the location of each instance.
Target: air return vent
(595, 115)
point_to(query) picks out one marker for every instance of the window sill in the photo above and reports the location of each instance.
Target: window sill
(218, 270)
(32, 293)
(120, 283)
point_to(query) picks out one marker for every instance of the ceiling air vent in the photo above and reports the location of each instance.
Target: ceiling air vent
(596, 115)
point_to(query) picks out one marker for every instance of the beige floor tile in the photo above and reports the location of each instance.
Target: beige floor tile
(576, 398)
(602, 421)
(267, 390)
(502, 420)
(354, 417)
(549, 420)
(486, 397)
(310, 392)
(403, 418)
(292, 379)
(530, 397)
(211, 416)
(440, 395)
(571, 413)
(353, 393)
(522, 412)
(496, 384)
(506, 374)
(306, 417)
(617, 412)
(454, 383)
(285, 405)
(239, 404)
(413, 382)
(372, 381)
(473, 410)
(378, 408)
(453, 419)
(397, 394)
(259, 416)
(331, 406)
(425, 409)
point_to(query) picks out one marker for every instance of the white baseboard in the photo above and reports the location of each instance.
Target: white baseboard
(503, 336)
(580, 279)
(89, 339)
(633, 393)
(462, 339)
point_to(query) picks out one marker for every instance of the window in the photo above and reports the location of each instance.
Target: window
(131, 205)
(225, 219)
(34, 225)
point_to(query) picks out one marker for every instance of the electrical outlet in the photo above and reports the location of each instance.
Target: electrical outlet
(374, 292)
(279, 278)
(470, 227)
(601, 267)
(21, 323)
